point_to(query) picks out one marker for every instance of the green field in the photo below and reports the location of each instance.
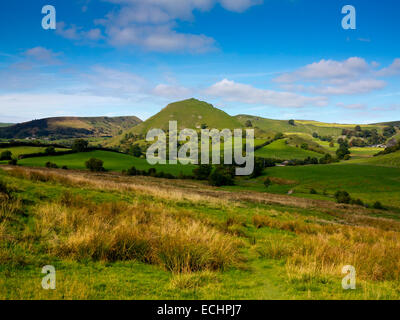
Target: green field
(387, 160)
(369, 183)
(112, 161)
(17, 151)
(280, 150)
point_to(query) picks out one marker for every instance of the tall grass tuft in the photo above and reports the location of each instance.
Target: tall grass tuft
(118, 231)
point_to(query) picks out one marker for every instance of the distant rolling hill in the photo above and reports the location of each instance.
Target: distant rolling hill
(301, 126)
(69, 127)
(2, 125)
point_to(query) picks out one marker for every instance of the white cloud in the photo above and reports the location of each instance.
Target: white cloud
(76, 33)
(43, 55)
(172, 91)
(330, 77)
(232, 91)
(159, 38)
(393, 69)
(327, 70)
(151, 24)
(351, 87)
(354, 106)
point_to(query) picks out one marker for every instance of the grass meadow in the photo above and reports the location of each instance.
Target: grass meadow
(112, 161)
(117, 237)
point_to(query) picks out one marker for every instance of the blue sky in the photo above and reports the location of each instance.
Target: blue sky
(279, 59)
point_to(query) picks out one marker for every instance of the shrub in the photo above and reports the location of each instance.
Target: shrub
(378, 205)
(267, 182)
(80, 145)
(221, 177)
(258, 168)
(202, 172)
(13, 162)
(50, 150)
(132, 171)
(51, 165)
(357, 202)
(342, 197)
(95, 165)
(152, 172)
(136, 151)
(313, 191)
(64, 167)
(6, 155)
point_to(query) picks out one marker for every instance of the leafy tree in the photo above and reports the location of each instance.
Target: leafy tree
(6, 155)
(342, 152)
(315, 135)
(304, 146)
(203, 126)
(389, 131)
(50, 150)
(358, 128)
(331, 144)
(136, 151)
(258, 168)
(278, 136)
(94, 165)
(80, 145)
(291, 122)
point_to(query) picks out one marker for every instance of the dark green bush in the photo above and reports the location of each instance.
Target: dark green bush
(342, 197)
(6, 155)
(95, 165)
(378, 205)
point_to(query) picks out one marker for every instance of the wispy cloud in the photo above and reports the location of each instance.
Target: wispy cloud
(238, 92)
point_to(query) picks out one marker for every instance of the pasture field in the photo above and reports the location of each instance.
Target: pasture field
(280, 150)
(112, 161)
(370, 183)
(97, 230)
(17, 151)
(387, 160)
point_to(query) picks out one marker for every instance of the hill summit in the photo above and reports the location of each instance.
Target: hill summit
(191, 113)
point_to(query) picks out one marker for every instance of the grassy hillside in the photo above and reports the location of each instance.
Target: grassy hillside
(190, 113)
(5, 124)
(303, 126)
(281, 150)
(98, 232)
(69, 127)
(387, 160)
(112, 161)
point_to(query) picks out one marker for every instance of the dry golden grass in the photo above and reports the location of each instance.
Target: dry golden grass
(325, 249)
(148, 233)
